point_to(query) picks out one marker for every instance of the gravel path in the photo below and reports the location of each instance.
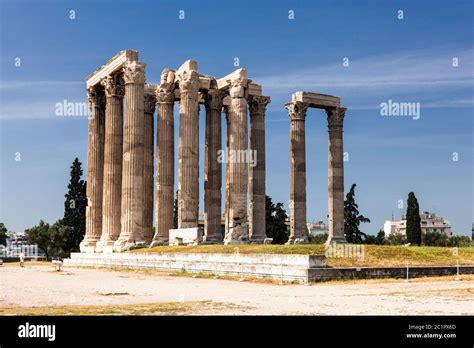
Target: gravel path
(41, 286)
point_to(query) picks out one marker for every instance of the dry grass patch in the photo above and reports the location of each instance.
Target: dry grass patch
(168, 308)
(374, 256)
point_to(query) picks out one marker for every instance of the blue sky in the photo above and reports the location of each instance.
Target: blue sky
(407, 60)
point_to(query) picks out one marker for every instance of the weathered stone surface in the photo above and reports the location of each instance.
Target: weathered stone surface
(316, 100)
(114, 65)
(257, 106)
(148, 157)
(335, 117)
(131, 233)
(164, 193)
(297, 113)
(188, 165)
(185, 236)
(95, 168)
(212, 167)
(112, 191)
(237, 170)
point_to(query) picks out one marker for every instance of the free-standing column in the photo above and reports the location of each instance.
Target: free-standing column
(336, 175)
(238, 166)
(95, 166)
(257, 106)
(132, 174)
(164, 192)
(213, 168)
(148, 167)
(112, 194)
(297, 113)
(188, 168)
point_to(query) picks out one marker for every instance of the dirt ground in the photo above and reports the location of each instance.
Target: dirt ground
(41, 286)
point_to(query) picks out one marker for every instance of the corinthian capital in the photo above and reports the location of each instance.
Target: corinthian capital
(95, 96)
(258, 104)
(189, 81)
(213, 99)
(336, 116)
(238, 87)
(297, 110)
(149, 98)
(113, 86)
(134, 72)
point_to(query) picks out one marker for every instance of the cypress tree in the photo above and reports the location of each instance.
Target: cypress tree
(413, 220)
(75, 207)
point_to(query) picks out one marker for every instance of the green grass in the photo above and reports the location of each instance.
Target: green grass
(374, 256)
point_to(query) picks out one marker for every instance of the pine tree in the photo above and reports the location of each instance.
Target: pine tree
(413, 220)
(75, 207)
(352, 218)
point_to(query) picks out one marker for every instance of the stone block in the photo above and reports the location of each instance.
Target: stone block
(268, 241)
(316, 100)
(185, 236)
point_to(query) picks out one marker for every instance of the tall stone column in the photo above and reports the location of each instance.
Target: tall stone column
(336, 175)
(148, 167)
(297, 113)
(257, 106)
(226, 204)
(188, 166)
(213, 168)
(238, 165)
(112, 193)
(131, 234)
(95, 168)
(164, 192)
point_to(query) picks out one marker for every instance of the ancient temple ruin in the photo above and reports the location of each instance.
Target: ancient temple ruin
(120, 189)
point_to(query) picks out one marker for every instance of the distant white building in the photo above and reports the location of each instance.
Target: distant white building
(430, 222)
(317, 228)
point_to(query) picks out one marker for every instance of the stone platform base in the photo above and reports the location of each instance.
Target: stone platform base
(277, 266)
(301, 268)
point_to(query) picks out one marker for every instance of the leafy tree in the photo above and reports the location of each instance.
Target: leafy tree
(3, 234)
(317, 239)
(75, 208)
(275, 220)
(352, 218)
(397, 238)
(435, 239)
(460, 241)
(59, 235)
(39, 234)
(413, 220)
(379, 239)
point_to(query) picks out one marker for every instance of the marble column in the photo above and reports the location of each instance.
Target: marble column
(238, 165)
(149, 165)
(112, 192)
(226, 203)
(212, 167)
(257, 106)
(164, 191)
(335, 117)
(95, 168)
(298, 228)
(131, 234)
(188, 165)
